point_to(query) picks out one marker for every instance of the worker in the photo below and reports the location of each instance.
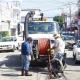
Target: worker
(59, 46)
(26, 51)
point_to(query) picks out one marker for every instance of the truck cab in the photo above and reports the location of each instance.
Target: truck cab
(42, 32)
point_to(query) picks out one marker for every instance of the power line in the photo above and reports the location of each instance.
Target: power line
(61, 7)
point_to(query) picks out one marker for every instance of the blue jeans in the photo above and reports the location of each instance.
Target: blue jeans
(59, 56)
(25, 62)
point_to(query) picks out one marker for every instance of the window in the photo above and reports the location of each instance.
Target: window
(41, 27)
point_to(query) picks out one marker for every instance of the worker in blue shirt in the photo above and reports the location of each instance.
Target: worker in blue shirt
(26, 51)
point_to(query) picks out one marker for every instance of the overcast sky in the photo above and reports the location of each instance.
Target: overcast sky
(49, 7)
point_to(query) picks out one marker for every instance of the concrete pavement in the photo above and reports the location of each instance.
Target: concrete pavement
(10, 68)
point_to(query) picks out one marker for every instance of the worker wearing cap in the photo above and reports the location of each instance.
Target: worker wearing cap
(59, 47)
(58, 54)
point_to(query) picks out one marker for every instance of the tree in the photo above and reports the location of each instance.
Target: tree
(60, 20)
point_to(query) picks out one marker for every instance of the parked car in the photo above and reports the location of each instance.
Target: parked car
(67, 33)
(69, 41)
(76, 51)
(9, 43)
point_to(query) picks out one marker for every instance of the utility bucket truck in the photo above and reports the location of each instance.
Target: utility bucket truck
(41, 30)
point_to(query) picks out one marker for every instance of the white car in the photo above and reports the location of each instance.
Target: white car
(9, 43)
(69, 41)
(76, 52)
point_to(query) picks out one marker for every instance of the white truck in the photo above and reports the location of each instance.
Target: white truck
(41, 32)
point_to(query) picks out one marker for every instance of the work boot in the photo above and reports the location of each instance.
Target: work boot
(22, 72)
(52, 77)
(27, 74)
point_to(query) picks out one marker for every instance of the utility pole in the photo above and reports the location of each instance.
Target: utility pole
(70, 14)
(64, 15)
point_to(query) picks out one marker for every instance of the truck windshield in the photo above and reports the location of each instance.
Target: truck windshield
(42, 27)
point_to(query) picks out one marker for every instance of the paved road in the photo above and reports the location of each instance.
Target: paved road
(10, 68)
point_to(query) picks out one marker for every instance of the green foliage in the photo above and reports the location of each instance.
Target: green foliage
(4, 33)
(60, 20)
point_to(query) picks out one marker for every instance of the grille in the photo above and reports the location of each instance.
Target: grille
(4, 45)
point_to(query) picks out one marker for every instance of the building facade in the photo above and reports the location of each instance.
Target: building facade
(9, 16)
(15, 16)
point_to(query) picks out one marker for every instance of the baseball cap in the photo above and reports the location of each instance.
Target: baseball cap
(56, 35)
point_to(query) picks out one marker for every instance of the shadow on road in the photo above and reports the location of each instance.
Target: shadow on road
(14, 75)
(14, 61)
(11, 61)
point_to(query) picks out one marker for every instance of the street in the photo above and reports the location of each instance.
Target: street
(10, 65)
(39, 23)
